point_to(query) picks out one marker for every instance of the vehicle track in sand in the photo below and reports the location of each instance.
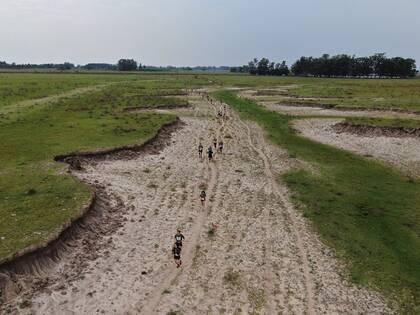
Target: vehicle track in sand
(273, 185)
(262, 257)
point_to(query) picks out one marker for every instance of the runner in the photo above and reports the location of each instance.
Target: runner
(203, 197)
(210, 153)
(179, 237)
(215, 142)
(200, 150)
(176, 250)
(221, 146)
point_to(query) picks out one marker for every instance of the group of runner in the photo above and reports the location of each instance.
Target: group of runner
(218, 145)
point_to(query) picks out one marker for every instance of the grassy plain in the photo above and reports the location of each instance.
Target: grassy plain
(369, 213)
(15, 87)
(36, 195)
(340, 93)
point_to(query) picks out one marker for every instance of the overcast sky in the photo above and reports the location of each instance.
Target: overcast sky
(204, 32)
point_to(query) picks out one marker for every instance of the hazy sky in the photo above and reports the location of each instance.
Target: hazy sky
(204, 32)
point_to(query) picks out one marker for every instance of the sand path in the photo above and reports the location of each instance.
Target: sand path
(247, 251)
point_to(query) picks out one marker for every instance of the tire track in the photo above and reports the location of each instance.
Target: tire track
(273, 186)
(310, 306)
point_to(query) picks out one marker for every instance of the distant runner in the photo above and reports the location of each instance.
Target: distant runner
(179, 237)
(176, 250)
(221, 146)
(200, 150)
(210, 153)
(215, 142)
(203, 197)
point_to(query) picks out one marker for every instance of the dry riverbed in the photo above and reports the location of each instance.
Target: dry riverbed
(247, 250)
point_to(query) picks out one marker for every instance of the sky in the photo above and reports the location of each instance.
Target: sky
(204, 32)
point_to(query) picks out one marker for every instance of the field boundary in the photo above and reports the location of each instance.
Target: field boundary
(349, 108)
(136, 109)
(372, 131)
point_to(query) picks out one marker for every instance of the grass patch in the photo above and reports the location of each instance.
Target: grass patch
(368, 212)
(386, 94)
(232, 278)
(36, 194)
(211, 231)
(16, 87)
(357, 93)
(257, 299)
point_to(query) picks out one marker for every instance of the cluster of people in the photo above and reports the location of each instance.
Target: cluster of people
(218, 146)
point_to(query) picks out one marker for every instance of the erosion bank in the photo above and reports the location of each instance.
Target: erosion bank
(94, 220)
(375, 131)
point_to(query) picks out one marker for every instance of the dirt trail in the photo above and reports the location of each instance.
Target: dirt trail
(247, 251)
(273, 184)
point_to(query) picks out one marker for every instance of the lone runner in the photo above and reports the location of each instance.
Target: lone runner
(203, 197)
(210, 153)
(221, 146)
(200, 150)
(176, 250)
(179, 237)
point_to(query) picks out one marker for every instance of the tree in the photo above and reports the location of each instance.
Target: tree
(263, 66)
(377, 61)
(65, 66)
(252, 65)
(283, 69)
(127, 65)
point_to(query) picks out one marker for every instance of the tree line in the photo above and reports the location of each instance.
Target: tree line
(122, 65)
(377, 65)
(263, 67)
(59, 66)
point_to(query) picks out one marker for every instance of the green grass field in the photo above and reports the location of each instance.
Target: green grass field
(15, 87)
(369, 213)
(348, 93)
(36, 195)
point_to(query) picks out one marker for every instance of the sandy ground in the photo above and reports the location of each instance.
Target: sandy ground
(403, 153)
(262, 257)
